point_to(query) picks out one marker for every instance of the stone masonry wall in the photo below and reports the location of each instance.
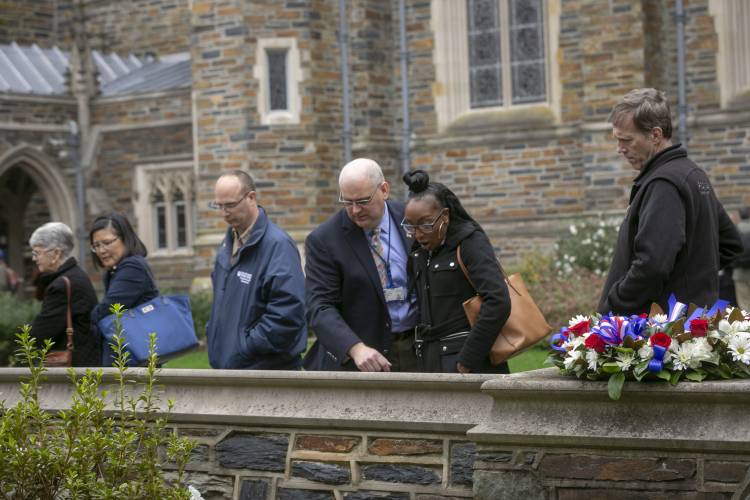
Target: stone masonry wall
(559, 474)
(320, 464)
(136, 26)
(27, 22)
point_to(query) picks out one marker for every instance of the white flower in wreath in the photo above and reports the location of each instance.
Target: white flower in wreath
(571, 359)
(573, 343)
(592, 358)
(624, 360)
(578, 319)
(739, 347)
(689, 354)
(659, 319)
(646, 352)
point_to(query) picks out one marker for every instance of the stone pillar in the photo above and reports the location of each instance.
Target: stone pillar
(555, 437)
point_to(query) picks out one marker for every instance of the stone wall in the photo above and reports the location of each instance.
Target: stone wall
(533, 435)
(27, 22)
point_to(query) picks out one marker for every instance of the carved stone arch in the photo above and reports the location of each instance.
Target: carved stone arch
(45, 173)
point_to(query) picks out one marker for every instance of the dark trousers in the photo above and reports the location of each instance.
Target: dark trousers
(401, 354)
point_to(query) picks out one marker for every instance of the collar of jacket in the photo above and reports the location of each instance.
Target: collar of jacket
(662, 157)
(47, 278)
(458, 230)
(256, 234)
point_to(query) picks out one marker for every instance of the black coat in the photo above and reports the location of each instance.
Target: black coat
(51, 321)
(345, 302)
(675, 237)
(442, 288)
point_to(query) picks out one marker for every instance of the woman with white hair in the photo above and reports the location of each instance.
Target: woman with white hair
(51, 249)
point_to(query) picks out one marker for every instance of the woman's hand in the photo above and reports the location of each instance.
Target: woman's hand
(462, 369)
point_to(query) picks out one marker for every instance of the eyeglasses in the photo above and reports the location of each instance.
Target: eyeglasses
(360, 203)
(99, 245)
(36, 255)
(411, 229)
(227, 206)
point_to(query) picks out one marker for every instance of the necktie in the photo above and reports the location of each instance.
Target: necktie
(376, 247)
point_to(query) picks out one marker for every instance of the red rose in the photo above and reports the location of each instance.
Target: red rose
(643, 315)
(699, 327)
(660, 339)
(580, 328)
(595, 342)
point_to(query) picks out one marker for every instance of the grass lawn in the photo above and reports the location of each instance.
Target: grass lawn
(531, 359)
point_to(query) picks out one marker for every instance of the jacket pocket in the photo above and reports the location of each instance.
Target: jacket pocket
(449, 348)
(443, 278)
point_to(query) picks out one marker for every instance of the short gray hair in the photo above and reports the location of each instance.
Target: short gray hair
(54, 235)
(649, 108)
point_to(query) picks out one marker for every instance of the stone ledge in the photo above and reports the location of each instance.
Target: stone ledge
(545, 409)
(374, 401)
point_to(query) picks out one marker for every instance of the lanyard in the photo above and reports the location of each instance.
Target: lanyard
(387, 260)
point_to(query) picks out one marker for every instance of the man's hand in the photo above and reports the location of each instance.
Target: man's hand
(368, 359)
(462, 369)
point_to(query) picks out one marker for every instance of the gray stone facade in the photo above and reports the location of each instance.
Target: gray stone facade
(523, 173)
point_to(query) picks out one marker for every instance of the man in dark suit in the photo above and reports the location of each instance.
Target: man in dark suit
(359, 303)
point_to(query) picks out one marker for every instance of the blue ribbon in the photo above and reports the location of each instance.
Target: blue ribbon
(657, 362)
(634, 327)
(561, 336)
(720, 305)
(676, 309)
(608, 331)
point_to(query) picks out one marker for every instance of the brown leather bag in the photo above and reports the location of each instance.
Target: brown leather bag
(64, 358)
(525, 326)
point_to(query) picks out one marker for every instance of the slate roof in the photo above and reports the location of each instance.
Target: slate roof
(33, 70)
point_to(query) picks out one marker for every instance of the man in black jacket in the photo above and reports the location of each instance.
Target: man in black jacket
(676, 234)
(358, 300)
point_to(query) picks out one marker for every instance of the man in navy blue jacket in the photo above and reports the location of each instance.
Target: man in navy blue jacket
(258, 314)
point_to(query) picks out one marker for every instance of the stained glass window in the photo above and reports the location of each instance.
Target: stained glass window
(485, 70)
(277, 79)
(507, 56)
(527, 51)
(160, 224)
(180, 214)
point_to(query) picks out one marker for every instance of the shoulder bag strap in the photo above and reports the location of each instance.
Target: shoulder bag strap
(69, 316)
(463, 267)
(466, 273)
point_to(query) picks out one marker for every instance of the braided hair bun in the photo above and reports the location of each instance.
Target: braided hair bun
(417, 180)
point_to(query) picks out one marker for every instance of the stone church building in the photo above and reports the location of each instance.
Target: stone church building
(138, 106)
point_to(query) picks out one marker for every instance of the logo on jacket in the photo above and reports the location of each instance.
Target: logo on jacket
(244, 277)
(704, 187)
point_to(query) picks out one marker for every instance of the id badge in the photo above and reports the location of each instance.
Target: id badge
(394, 294)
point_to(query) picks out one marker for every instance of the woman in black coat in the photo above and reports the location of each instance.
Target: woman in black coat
(438, 222)
(127, 278)
(51, 249)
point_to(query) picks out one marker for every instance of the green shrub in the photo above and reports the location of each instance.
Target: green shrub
(562, 297)
(13, 312)
(200, 303)
(85, 452)
(589, 245)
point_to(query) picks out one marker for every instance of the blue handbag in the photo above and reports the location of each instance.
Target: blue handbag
(169, 317)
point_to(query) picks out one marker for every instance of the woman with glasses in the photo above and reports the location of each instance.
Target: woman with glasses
(52, 252)
(440, 227)
(127, 278)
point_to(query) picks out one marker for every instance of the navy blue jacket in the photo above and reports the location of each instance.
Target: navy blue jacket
(258, 315)
(129, 283)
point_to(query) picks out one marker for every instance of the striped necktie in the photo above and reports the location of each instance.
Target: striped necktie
(376, 247)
